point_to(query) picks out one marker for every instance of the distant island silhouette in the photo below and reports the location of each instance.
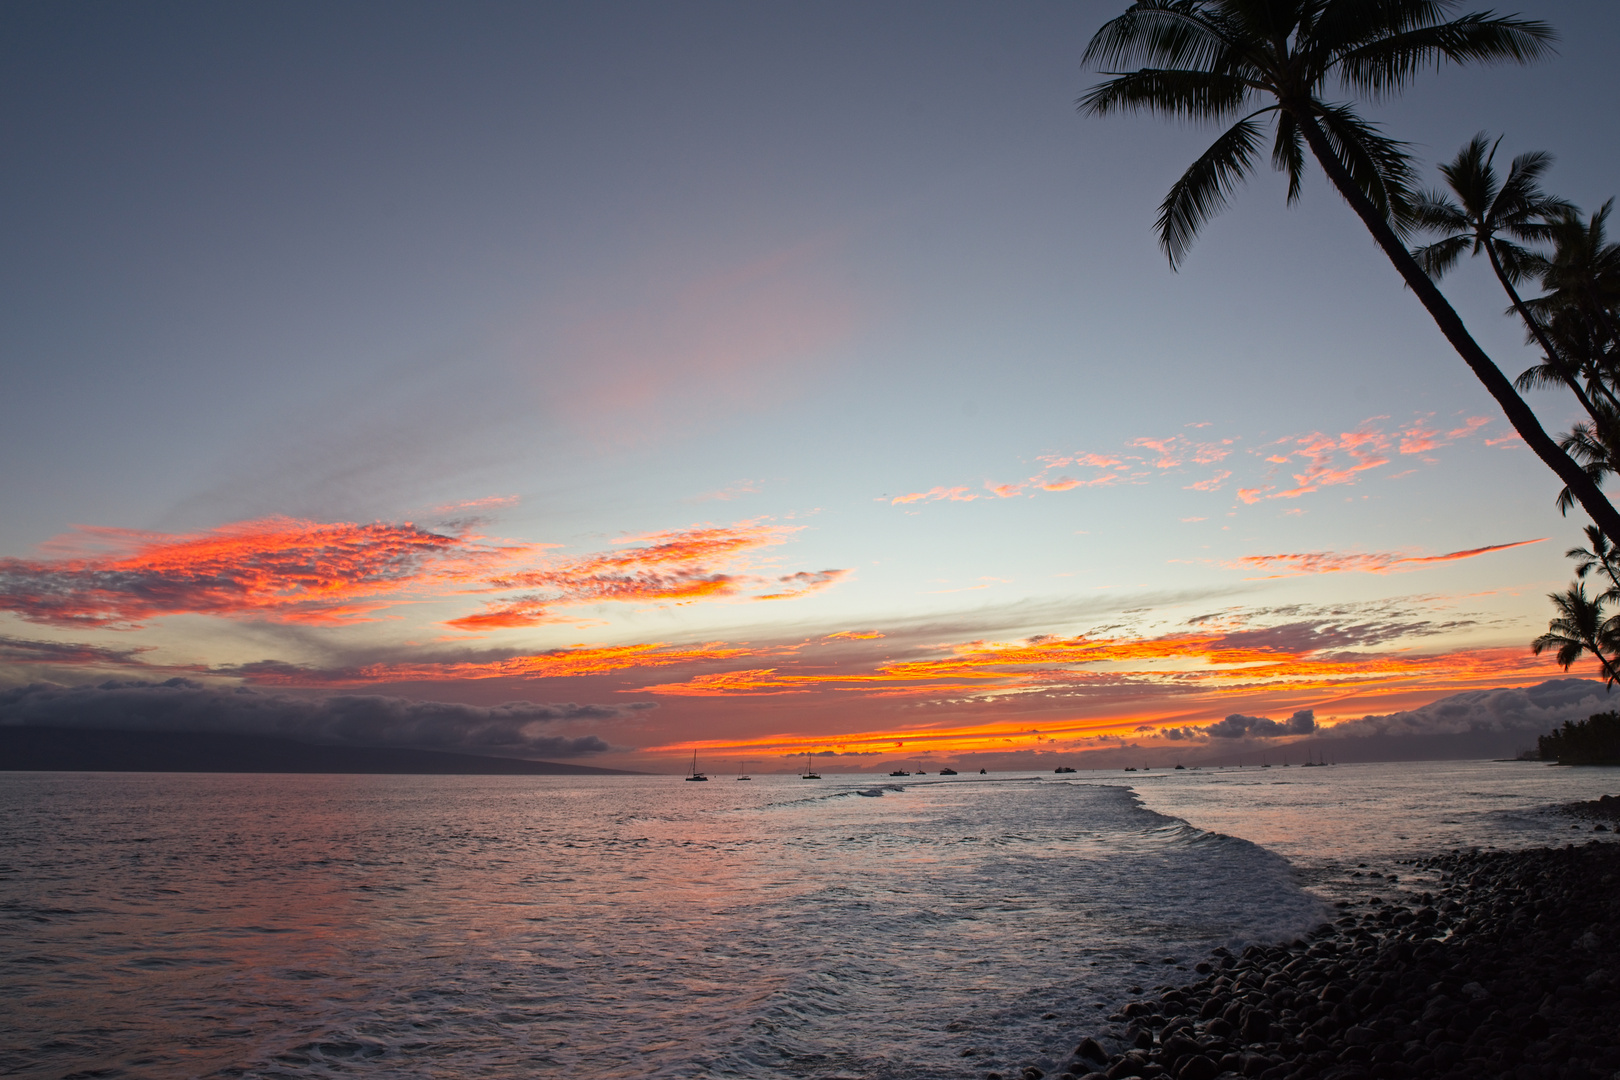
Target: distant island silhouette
(59, 749)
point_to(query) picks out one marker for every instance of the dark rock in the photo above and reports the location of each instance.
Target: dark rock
(1129, 1065)
(1256, 1026)
(1358, 1035)
(1344, 1072)
(1091, 1050)
(1198, 1067)
(1178, 1047)
(1032, 1073)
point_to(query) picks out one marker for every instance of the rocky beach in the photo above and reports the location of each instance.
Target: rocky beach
(1504, 966)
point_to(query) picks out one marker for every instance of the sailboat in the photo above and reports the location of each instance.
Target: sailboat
(809, 773)
(744, 775)
(695, 774)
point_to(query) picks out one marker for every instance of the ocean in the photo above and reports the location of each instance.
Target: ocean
(167, 925)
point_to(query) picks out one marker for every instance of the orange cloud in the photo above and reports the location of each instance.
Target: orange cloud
(1377, 562)
(680, 566)
(276, 569)
(1213, 483)
(955, 494)
(803, 583)
(853, 635)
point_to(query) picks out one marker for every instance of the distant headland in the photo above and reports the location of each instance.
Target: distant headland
(63, 749)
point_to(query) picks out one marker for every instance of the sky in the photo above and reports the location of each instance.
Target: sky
(612, 382)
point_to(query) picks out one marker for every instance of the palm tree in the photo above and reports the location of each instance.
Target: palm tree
(1602, 555)
(1582, 276)
(1580, 628)
(1491, 217)
(1254, 62)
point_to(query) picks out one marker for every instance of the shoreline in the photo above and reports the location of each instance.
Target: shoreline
(1507, 968)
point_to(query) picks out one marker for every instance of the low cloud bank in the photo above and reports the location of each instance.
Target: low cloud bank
(1532, 708)
(1238, 726)
(513, 727)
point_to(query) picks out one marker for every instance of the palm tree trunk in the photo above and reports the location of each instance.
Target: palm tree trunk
(1519, 414)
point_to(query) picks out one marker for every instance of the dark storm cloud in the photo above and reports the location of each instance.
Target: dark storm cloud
(515, 727)
(1532, 708)
(1238, 726)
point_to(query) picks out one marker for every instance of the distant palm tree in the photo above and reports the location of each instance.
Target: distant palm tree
(1602, 555)
(1258, 61)
(1580, 628)
(1582, 276)
(1492, 217)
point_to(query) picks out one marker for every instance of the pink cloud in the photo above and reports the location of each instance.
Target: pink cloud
(1376, 562)
(1213, 483)
(680, 567)
(273, 569)
(935, 494)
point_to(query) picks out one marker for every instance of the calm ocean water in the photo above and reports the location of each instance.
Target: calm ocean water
(312, 926)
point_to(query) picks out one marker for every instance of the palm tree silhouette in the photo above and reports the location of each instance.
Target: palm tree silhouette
(1582, 277)
(1602, 555)
(1580, 628)
(1490, 217)
(1255, 62)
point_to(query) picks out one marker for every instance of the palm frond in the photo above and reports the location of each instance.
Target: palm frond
(1379, 165)
(1470, 174)
(1288, 154)
(1206, 187)
(1160, 33)
(1345, 24)
(1387, 64)
(1193, 95)
(1432, 211)
(1438, 258)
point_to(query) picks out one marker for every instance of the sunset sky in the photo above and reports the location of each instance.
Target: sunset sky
(760, 379)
